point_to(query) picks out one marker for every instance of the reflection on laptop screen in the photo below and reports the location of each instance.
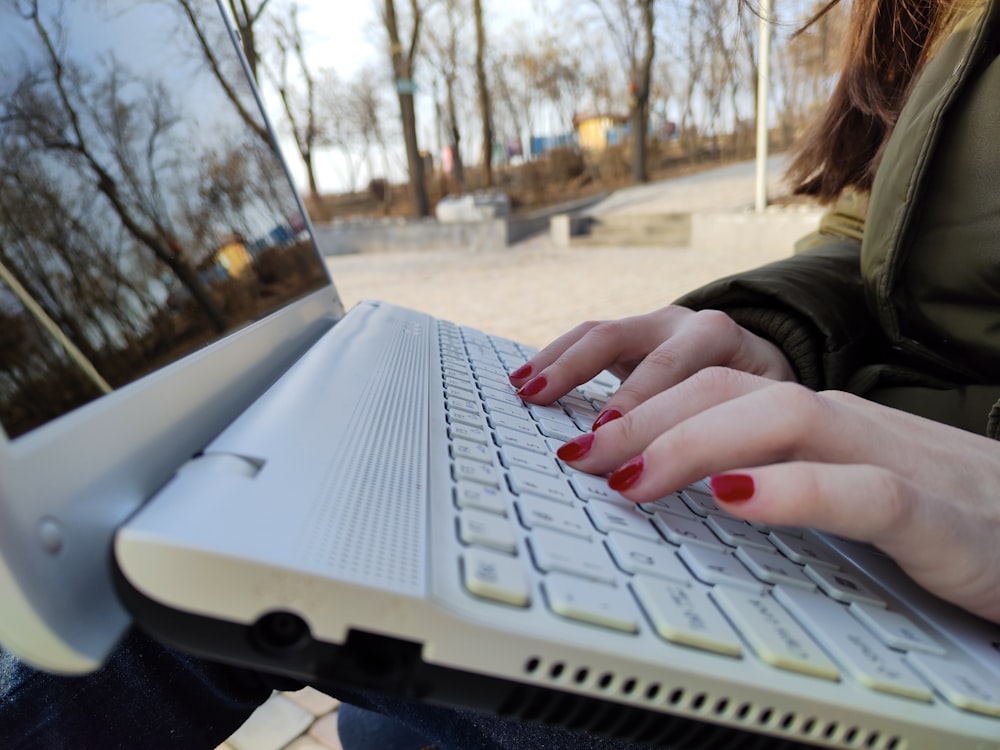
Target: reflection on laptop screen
(144, 210)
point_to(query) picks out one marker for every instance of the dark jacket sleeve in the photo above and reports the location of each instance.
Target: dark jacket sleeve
(812, 305)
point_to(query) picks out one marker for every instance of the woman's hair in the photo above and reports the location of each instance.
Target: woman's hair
(887, 42)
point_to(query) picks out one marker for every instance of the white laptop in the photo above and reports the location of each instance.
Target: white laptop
(195, 437)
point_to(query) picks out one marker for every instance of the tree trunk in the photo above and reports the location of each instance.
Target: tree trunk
(455, 136)
(402, 66)
(485, 108)
(415, 164)
(308, 161)
(640, 104)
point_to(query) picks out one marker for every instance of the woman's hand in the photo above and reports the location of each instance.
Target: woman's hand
(650, 353)
(778, 453)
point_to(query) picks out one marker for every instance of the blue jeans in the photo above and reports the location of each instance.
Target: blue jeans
(145, 696)
(152, 697)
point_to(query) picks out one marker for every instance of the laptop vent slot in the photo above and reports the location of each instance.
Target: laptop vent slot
(583, 714)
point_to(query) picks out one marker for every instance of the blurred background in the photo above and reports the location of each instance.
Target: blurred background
(386, 106)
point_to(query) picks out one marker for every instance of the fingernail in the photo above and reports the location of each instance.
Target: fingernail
(521, 372)
(732, 488)
(576, 448)
(532, 386)
(608, 415)
(627, 474)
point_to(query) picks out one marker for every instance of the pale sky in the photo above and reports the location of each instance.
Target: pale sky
(346, 32)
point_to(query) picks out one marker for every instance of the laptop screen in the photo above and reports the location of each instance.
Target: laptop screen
(144, 209)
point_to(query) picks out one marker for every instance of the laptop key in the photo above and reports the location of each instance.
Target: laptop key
(531, 482)
(493, 395)
(577, 404)
(457, 389)
(480, 497)
(700, 499)
(718, 566)
(670, 503)
(589, 487)
(627, 520)
(737, 533)
(456, 403)
(773, 635)
(894, 629)
(959, 683)
(482, 529)
(771, 567)
(474, 451)
(536, 513)
(525, 459)
(554, 552)
(679, 530)
(519, 424)
(533, 443)
(473, 471)
(460, 416)
(476, 434)
(850, 643)
(491, 575)
(558, 431)
(685, 615)
(551, 413)
(580, 600)
(842, 586)
(656, 559)
(801, 550)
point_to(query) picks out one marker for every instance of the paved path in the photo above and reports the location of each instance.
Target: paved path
(531, 292)
(728, 187)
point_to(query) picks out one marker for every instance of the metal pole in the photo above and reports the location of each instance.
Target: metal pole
(763, 73)
(54, 330)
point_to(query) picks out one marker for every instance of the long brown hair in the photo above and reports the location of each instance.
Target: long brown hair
(887, 42)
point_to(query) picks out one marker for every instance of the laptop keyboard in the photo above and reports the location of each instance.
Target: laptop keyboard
(536, 533)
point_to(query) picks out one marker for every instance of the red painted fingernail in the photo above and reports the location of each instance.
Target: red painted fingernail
(533, 386)
(576, 448)
(521, 372)
(627, 474)
(732, 488)
(608, 415)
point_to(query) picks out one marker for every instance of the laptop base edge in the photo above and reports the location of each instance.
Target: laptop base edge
(280, 644)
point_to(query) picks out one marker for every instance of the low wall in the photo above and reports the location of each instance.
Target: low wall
(343, 238)
(774, 227)
(393, 235)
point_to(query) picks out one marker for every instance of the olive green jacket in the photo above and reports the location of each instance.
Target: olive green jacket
(902, 303)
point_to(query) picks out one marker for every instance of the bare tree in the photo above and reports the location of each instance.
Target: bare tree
(53, 118)
(806, 66)
(403, 59)
(539, 73)
(365, 111)
(444, 42)
(630, 24)
(246, 16)
(299, 104)
(247, 19)
(483, 91)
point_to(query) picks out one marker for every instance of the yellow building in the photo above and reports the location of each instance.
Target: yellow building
(592, 130)
(233, 256)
